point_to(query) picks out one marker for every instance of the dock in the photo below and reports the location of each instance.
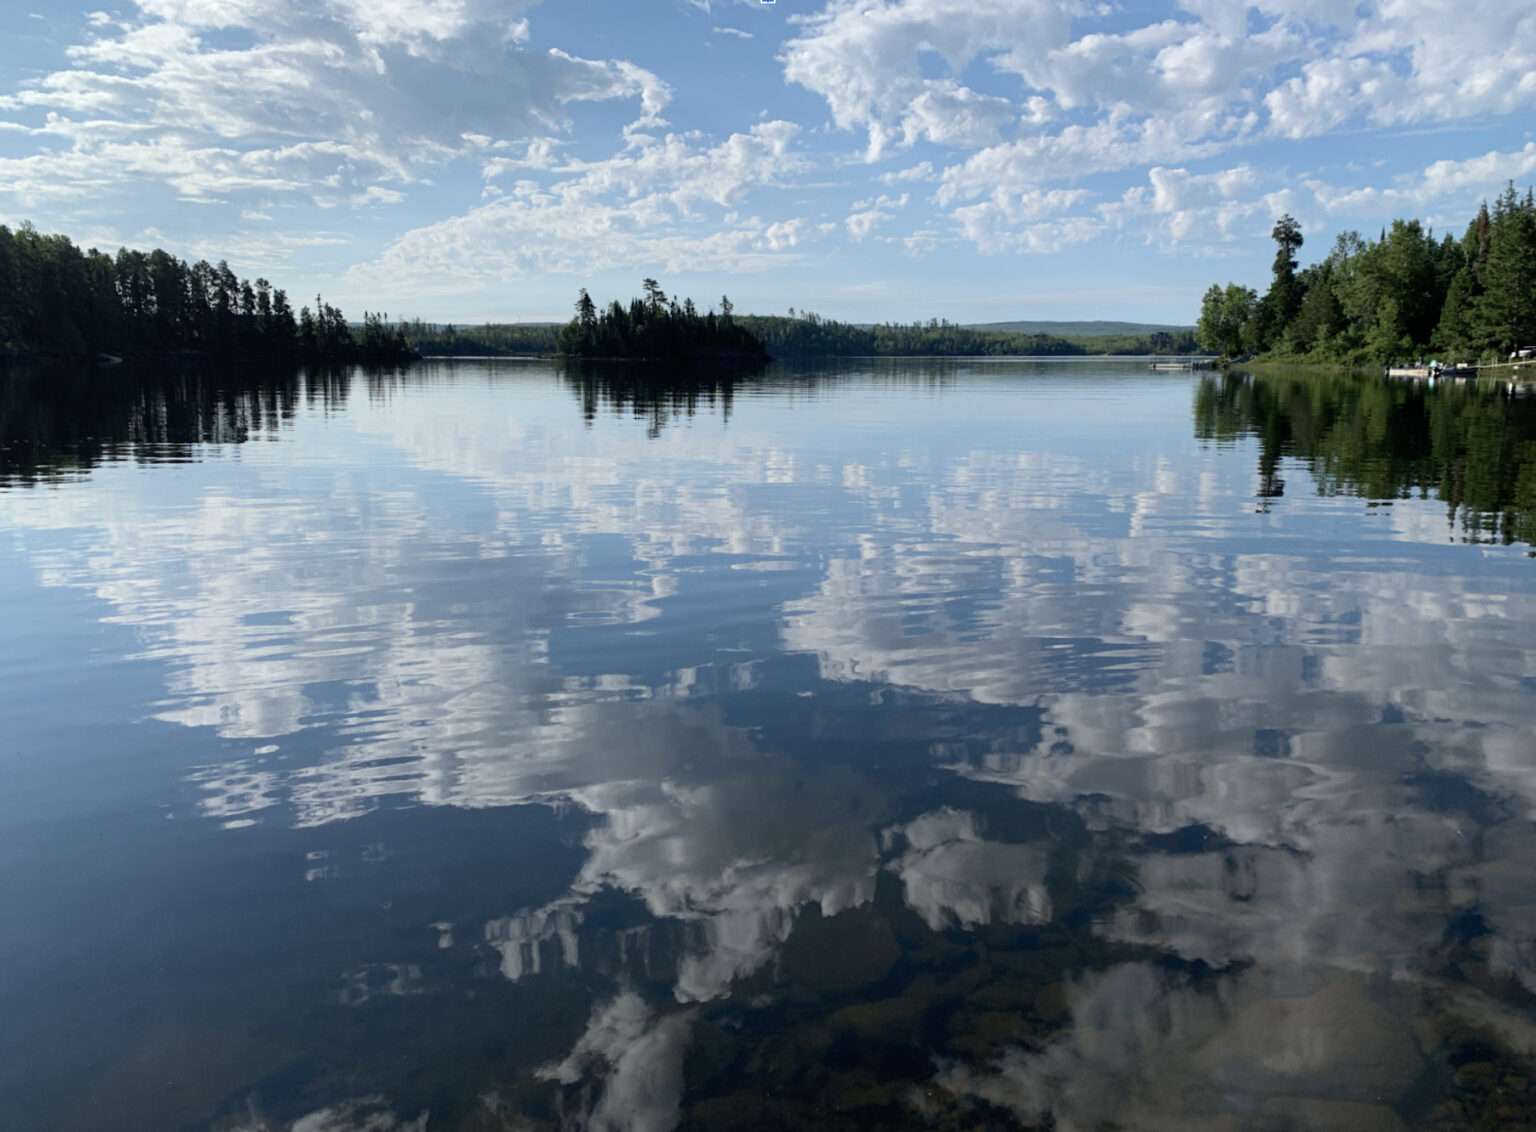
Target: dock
(1182, 364)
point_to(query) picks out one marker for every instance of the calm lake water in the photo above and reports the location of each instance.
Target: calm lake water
(907, 744)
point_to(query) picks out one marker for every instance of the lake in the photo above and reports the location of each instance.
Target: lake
(950, 744)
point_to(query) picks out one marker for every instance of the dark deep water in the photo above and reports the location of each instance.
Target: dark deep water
(956, 745)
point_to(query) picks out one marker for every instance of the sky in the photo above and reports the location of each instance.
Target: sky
(975, 160)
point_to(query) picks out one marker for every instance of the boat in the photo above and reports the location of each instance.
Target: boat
(1432, 370)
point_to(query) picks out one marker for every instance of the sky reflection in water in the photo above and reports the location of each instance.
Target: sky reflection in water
(913, 741)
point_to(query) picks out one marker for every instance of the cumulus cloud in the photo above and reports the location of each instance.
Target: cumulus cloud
(641, 206)
(868, 215)
(1460, 181)
(1066, 100)
(865, 60)
(1209, 207)
(1412, 61)
(335, 103)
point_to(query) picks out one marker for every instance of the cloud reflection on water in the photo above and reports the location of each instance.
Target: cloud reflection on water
(1302, 735)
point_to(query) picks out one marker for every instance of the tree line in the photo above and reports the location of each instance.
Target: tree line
(809, 335)
(491, 339)
(655, 326)
(57, 299)
(1401, 296)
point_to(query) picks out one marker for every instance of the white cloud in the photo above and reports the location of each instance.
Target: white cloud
(737, 32)
(1070, 102)
(864, 59)
(638, 208)
(1416, 60)
(1028, 221)
(340, 102)
(790, 233)
(1462, 182)
(870, 214)
(1203, 208)
(1206, 79)
(920, 172)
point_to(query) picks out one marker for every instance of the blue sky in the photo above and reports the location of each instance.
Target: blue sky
(975, 160)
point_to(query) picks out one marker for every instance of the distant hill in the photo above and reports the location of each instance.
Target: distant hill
(1078, 329)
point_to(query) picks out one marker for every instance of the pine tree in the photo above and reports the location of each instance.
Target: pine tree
(1506, 311)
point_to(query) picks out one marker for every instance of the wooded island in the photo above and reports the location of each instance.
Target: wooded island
(656, 328)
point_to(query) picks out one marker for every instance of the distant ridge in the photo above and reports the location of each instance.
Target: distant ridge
(1078, 329)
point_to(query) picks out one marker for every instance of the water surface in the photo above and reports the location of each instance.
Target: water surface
(900, 744)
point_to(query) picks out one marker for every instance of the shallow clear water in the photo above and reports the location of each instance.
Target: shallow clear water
(978, 744)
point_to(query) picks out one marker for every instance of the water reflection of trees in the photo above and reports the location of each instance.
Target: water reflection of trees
(656, 394)
(1471, 445)
(662, 394)
(60, 420)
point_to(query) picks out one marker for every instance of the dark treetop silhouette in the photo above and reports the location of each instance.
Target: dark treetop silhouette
(59, 300)
(655, 327)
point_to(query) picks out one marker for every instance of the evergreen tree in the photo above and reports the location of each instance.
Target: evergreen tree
(56, 298)
(1506, 310)
(1285, 292)
(1319, 317)
(1454, 333)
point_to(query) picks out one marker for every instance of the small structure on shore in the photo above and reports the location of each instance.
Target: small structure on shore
(1432, 369)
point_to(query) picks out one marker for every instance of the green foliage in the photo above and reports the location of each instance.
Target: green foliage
(1224, 313)
(56, 299)
(1082, 329)
(1176, 341)
(655, 327)
(1401, 296)
(1285, 292)
(810, 335)
(1319, 319)
(1506, 313)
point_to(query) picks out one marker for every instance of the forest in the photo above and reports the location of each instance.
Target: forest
(58, 300)
(1404, 295)
(655, 327)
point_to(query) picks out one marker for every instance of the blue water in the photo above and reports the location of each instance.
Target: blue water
(893, 744)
